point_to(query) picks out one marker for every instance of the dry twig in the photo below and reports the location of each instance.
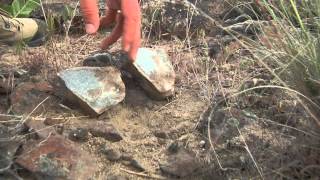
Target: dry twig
(149, 176)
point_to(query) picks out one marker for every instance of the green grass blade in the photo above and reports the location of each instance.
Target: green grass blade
(22, 8)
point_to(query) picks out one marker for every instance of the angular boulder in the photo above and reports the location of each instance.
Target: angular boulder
(154, 72)
(57, 158)
(94, 89)
(152, 69)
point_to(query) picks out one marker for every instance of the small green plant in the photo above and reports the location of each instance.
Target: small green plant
(20, 8)
(60, 21)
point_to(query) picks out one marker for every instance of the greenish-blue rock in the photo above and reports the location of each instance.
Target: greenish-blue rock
(94, 89)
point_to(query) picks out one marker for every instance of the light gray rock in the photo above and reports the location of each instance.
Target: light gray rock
(154, 72)
(152, 69)
(95, 89)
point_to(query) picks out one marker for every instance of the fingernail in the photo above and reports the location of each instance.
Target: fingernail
(90, 29)
(125, 47)
(132, 57)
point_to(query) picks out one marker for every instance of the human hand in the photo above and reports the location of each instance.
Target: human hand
(126, 14)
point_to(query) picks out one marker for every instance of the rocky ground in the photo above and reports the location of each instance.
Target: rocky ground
(200, 133)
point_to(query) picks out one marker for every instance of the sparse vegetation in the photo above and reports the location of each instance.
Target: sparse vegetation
(289, 46)
(247, 92)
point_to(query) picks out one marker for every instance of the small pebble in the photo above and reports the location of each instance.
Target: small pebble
(242, 159)
(202, 144)
(126, 157)
(112, 154)
(135, 164)
(161, 141)
(161, 134)
(59, 128)
(79, 134)
(174, 147)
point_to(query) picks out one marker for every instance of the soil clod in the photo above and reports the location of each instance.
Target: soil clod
(102, 129)
(111, 154)
(136, 165)
(79, 134)
(180, 164)
(50, 121)
(174, 147)
(161, 134)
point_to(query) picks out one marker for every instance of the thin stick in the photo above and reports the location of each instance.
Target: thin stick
(11, 116)
(6, 168)
(71, 19)
(250, 154)
(58, 118)
(166, 105)
(9, 121)
(85, 43)
(81, 37)
(37, 118)
(292, 128)
(190, 4)
(44, 13)
(310, 167)
(143, 174)
(25, 119)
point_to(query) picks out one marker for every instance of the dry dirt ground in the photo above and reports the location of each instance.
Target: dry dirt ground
(261, 134)
(137, 118)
